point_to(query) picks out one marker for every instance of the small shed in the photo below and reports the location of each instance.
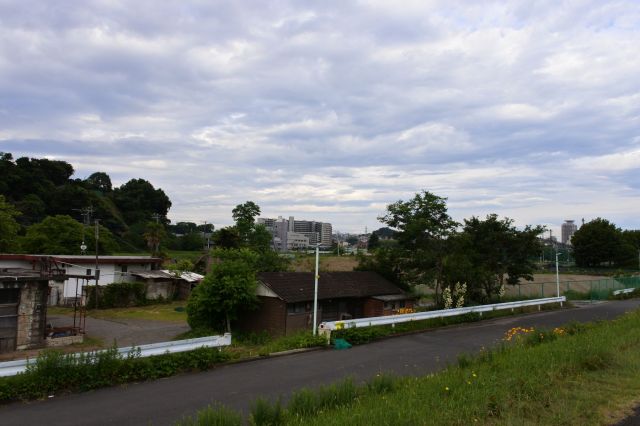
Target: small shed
(168, 284)
(286, 300)
(23, 309)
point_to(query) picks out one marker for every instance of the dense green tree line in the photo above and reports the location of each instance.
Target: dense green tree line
(485, 254)
(601, 243)
(39, 194)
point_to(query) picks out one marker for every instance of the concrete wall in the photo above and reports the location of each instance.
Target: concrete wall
(157, 289)
(31, 314)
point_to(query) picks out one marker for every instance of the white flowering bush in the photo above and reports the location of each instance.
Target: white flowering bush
(446, 298)
(459, 292)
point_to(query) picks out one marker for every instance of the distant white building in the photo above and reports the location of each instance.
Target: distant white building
(568, 228)
(291, 234)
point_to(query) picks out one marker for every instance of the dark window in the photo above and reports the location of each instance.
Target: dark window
(123, 268)
(298, 308)
(88, 271)
(9, 295)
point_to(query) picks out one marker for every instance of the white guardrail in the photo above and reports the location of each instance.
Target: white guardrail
(11, 368)
(327, 327)
(623, 291)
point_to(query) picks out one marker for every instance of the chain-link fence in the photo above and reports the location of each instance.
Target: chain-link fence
(599, 289)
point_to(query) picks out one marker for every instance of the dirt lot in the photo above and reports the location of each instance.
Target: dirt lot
(545, 284)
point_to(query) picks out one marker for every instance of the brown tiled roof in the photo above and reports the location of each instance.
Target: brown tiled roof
(298, 286)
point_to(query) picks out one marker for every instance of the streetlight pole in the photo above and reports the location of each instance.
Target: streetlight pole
(558, 276)
(315, 293)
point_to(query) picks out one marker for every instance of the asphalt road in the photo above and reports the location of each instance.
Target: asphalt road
(162, 402)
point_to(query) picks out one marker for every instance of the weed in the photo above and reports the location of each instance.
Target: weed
(213, 416)
(263, 413)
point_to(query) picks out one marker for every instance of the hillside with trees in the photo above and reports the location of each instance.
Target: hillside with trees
(41, 197)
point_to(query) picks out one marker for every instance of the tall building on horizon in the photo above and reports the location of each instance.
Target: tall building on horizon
(291, 234)
(568, 229)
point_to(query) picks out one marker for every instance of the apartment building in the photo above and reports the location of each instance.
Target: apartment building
(291, 234)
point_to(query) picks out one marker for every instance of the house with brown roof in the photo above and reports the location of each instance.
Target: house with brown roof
(286, 300)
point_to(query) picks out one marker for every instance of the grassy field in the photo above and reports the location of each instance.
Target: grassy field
(160, 312)
(306, 263)
(574, 375)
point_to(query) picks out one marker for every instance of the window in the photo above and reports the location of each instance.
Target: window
(9, 296)
(298, 308)
(123, 268)
(88, 271)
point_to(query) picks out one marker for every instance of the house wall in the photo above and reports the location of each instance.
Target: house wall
(109, 273)
(373, 308)
(270, 317)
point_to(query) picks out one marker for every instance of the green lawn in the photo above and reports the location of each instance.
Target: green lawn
(160, 312)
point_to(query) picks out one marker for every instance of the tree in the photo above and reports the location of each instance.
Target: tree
(490, 253)
(228, 289)
(226, 238)
(63, 235)
(374, 242)
(244, 215)
(138, 201)
(154, 234)
(422, 226)
(597, 242)
(99, 181)
(9, 227)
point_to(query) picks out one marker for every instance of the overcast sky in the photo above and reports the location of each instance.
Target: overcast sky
(331, 110)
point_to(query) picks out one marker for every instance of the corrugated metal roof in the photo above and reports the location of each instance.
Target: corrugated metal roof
(190, 277)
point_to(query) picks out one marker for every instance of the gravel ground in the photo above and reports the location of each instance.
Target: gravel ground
(125, 332)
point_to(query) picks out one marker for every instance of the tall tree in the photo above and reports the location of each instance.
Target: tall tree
(490, 253)
(138, 201)
(596, 243)
(229, 288)
(154, 235)
(9, 227)
(422, 225)
(245, 217)
(99, 181)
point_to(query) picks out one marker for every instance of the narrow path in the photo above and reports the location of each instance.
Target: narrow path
(163, 402)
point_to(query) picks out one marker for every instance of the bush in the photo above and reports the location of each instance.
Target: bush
(118, 295)
(55, 372)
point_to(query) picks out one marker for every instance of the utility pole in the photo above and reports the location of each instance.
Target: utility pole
(315, 293)
(97, 235)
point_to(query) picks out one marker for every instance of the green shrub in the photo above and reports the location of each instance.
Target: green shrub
(118, 295)
(55, 372)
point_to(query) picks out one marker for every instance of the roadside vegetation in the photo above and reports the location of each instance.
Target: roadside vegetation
(575, 375)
